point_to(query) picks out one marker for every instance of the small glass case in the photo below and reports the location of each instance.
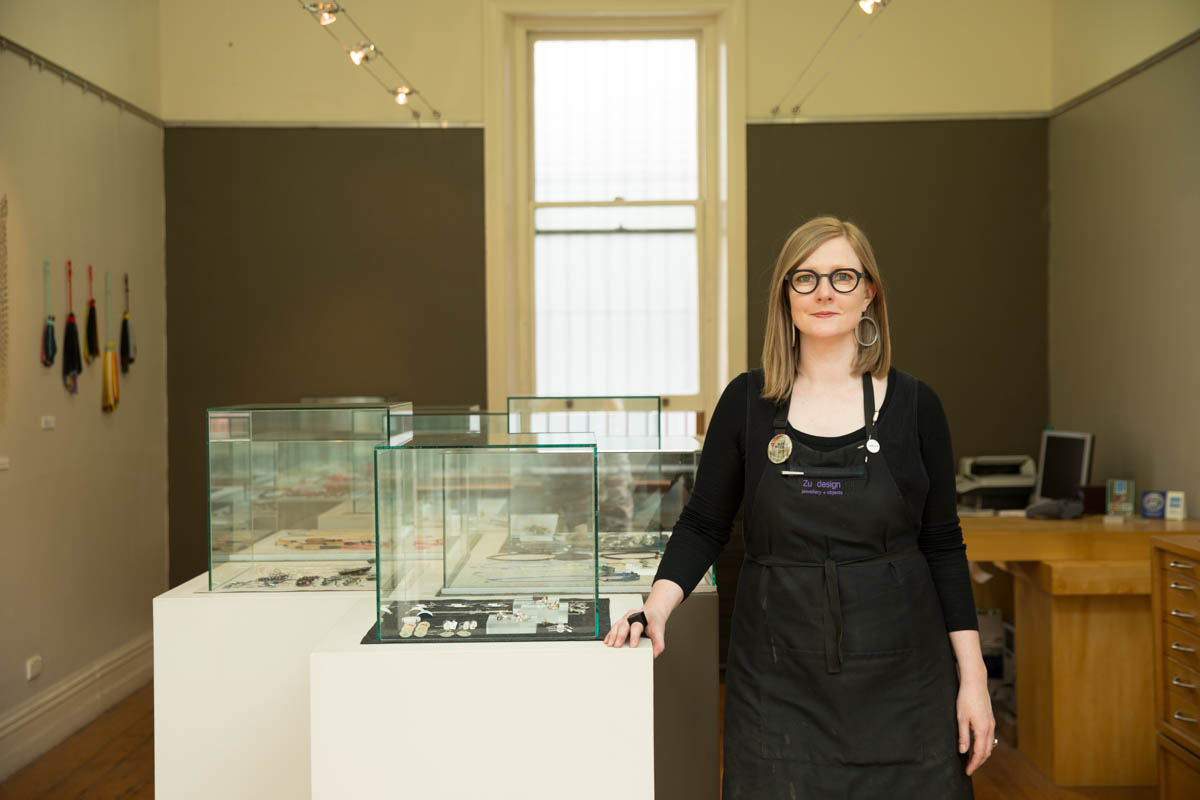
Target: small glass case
(488, 537)
(607, 418)
(642, 487)
(291, 501)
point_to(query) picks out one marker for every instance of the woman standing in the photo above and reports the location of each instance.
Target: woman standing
(854, 607)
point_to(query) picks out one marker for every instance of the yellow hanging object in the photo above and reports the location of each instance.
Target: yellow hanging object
(111, 394)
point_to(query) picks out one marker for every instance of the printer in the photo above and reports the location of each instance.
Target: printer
(995, 482)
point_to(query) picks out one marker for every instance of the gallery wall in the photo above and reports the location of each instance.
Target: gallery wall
(1125, 273)
(315, 263)
(83, 506)
(957, 215)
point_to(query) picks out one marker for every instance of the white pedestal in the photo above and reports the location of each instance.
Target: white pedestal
(231, 689)
(525, 720)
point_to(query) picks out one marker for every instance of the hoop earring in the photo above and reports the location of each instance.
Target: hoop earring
(874, 326)
(793, 327)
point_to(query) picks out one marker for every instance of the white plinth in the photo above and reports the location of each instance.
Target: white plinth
(231, 689)
(527, 720)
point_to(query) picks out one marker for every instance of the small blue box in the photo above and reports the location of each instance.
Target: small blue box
(1153, 504)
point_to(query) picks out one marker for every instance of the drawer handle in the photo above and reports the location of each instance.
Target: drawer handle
(1179, 715)
(1180, 648)
(1176, 681)
(1181, 565)
(1182, 586)
(1175, 612)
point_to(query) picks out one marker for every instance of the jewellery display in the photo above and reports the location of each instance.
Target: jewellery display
(529, 618)
(302, 576)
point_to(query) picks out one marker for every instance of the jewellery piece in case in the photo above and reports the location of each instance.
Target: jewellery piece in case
(406, 630)
(422, 629)
(779, 449)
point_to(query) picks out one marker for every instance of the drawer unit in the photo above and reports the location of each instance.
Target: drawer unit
(1178, 771)
(1181, 600)
(1175, 605)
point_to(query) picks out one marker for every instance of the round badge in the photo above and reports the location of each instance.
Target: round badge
(779, 449)
(873, 445)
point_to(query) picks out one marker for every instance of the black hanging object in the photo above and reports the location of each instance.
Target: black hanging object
(72, 363)
(92, 329)
(128, 343)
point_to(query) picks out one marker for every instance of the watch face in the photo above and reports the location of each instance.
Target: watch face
(779, 449)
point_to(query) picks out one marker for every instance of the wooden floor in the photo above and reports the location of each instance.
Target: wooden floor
(114, 758)
(111, 758)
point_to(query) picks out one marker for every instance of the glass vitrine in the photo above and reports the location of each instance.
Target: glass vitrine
(606, 418)
(510, 521)
(291, 493)
(642, 487)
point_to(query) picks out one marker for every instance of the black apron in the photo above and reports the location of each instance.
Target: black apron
(840, 681)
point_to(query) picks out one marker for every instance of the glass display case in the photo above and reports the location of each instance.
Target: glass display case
(488, 536)
(607, 418)
(291, 503)
(641, 490)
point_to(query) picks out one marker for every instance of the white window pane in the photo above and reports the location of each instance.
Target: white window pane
(615, 118)
(629, 305)
(632, 218)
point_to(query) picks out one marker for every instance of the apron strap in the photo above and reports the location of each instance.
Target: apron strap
(868, 405)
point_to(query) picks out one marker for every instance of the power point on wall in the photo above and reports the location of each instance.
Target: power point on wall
(47, 422)
(3, 463)
(33, 667)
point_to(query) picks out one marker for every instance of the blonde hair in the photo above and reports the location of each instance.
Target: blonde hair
(781, 347)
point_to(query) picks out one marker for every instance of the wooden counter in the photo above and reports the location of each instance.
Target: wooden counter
(1083, 626)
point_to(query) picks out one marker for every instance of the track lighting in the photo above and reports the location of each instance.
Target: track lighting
(366, 55)
(868, 6)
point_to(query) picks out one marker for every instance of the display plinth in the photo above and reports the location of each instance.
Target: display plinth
(524, 720)
(231, 689)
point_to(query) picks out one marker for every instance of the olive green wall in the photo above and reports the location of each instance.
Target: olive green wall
(315, 262)
(957, 215)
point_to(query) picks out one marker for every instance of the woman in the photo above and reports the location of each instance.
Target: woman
(854, 606)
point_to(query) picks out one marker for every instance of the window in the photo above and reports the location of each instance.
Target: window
(616, 204)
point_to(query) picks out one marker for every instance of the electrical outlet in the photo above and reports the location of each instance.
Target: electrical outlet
(33, 667)
(3, 463)
(48, 422)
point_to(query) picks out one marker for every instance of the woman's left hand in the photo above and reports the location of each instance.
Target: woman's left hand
(975, 716)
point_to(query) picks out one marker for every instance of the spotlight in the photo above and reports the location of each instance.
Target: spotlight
(325, 13)
(868, 6)
(362, 53)
(402, 94)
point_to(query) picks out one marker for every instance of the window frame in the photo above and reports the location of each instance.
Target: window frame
(511, 27)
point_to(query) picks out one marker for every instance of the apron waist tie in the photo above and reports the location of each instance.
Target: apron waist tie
(833, 600)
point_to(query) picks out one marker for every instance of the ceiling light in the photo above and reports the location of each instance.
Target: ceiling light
(868, 6)
(402, 94)
(325, 13)
(362, 53)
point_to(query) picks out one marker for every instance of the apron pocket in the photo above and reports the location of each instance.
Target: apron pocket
(869, 713)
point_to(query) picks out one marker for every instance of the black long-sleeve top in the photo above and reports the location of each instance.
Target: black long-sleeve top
(924, 475)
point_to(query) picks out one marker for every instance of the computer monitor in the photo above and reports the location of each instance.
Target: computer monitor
(1064, 465)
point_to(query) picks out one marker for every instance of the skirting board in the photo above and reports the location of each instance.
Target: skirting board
(46, 719)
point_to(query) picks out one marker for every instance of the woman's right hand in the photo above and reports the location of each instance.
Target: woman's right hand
(655, 629)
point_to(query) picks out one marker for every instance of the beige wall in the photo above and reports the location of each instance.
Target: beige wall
(1097, 39)
(1124, 275)
(113, 43)
(83, 523)
(270, 62)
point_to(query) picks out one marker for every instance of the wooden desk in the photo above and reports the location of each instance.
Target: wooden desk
(1082, 620)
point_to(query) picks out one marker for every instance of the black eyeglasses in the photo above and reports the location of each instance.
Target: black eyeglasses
(843, 280)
